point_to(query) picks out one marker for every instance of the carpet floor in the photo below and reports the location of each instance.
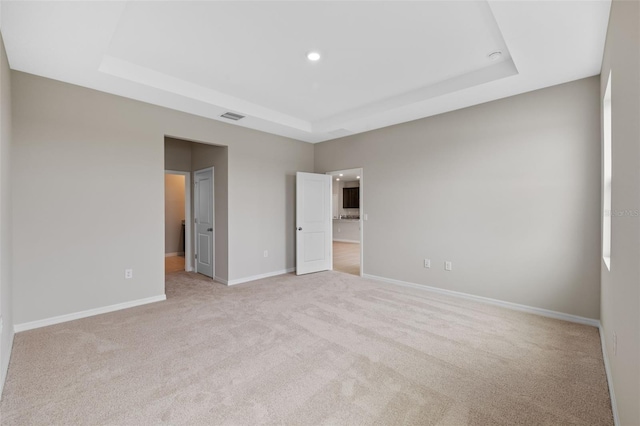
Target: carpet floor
(326, 348)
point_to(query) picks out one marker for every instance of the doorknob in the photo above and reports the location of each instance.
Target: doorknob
(209, 229)
(300, 229)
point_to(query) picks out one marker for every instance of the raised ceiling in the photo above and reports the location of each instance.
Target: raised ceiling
(383, 62)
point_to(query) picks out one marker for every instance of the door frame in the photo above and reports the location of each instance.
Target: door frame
(213, 212)
(363, 216)
(188, 257)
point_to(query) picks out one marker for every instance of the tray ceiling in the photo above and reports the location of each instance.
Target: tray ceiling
(382, 63)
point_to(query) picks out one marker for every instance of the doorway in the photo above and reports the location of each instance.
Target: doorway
(190, 157)
(347, 220)
(177, 227)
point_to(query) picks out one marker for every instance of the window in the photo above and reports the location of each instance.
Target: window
(606, 175)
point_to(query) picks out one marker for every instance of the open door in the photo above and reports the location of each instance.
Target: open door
(313, 223)
(204, 222)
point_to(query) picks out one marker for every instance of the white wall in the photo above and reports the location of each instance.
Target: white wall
(89, 171)
(6, 279)
(174, 213)
(620, 312)
(509, 191)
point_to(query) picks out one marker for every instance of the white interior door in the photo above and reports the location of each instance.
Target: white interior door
(204, 222)
(313, 223)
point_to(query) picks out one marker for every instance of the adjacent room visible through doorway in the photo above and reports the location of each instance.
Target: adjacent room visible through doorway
(347, 220)
(205, 214)
(346, 257)
(176, 213)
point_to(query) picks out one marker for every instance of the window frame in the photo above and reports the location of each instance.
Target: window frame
(606, 174)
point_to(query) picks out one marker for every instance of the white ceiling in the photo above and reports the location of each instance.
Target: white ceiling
(383, 62)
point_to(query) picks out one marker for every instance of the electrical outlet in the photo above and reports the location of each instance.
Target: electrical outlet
(448, 265)
(128, 274)
(266, 253)
(427, 263)
(615, 343)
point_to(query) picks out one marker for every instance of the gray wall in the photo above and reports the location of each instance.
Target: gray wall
(620, 312)
(177, 155)
(264, 218)
(89, 171)
(6, 280)
(509, 191)
(174, 195)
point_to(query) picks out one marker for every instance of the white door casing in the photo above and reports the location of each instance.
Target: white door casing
(313, 223)
(204, 222)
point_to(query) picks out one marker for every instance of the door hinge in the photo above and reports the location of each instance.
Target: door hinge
(196, 255)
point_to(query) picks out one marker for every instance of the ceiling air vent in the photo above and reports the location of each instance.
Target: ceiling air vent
(232, 116)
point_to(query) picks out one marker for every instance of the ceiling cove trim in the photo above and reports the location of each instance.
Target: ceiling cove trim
(488, 74)
(148, 77)
(339, 122)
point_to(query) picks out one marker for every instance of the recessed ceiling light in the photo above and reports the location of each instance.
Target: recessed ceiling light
(357, 177)
(341, 175)
(337, 178)
(494, 56)
(313, 56)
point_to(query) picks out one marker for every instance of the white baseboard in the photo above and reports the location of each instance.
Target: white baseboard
(346, 241)
(259, 277)
(509, 305)
(607, 369)
(221, 280)
(88, 313)
(175, 253)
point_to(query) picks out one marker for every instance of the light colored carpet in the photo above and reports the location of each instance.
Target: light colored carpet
(326, 348)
